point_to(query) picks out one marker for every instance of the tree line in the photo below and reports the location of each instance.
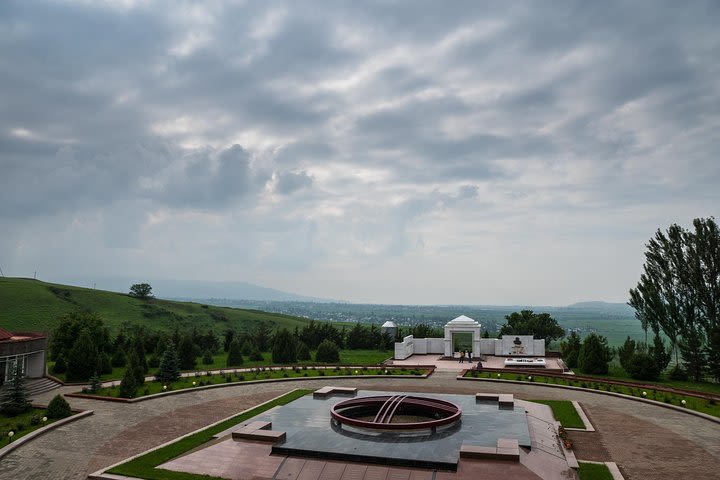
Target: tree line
(81, 346)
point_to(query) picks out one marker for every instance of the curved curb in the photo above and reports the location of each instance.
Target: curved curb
(40, 431)
(592, 390)
(100, 474)
(233, 384)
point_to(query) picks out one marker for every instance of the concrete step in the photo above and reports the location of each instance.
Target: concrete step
(36, 386)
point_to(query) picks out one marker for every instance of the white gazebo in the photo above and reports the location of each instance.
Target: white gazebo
(462, 324)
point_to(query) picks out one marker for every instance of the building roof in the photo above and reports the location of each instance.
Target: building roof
(462, 320)
(4, 334)
(389, 324)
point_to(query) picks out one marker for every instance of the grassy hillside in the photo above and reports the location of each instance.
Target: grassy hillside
(27, 304)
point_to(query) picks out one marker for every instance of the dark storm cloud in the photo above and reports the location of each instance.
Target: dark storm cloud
(361, 127)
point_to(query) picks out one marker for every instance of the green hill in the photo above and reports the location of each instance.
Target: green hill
(32, 305)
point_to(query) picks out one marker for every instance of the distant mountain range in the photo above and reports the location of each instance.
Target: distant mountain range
(192, 289)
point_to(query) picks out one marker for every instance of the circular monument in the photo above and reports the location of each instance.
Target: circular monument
(396, 413)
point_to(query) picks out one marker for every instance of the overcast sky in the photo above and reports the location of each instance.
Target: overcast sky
(391, 152)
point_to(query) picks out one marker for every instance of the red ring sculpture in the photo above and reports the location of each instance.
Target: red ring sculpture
(386, 406)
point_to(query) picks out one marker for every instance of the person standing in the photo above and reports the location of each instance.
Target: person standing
(462, 356)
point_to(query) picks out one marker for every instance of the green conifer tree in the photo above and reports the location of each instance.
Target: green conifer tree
(14, 399)
(169, 366)
(234, 358)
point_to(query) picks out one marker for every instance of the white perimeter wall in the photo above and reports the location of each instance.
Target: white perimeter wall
(421, 346)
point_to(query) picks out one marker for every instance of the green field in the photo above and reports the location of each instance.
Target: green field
(32, 305)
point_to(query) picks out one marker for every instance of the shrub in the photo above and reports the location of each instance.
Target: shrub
(678, 373)
(95, 383)
(256, 355)
(58, 408)
(153, 361)
(128, 384)
(119, 358)
(207, 358)
(104, 364)
(284, 348)
(303, 352)
(595, 354)
(19, 427)
(234, 357)
(60, 365)
(35, 420)
(327, 352)
(642, 366)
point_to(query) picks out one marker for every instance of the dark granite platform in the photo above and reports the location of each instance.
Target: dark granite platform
(310, 433)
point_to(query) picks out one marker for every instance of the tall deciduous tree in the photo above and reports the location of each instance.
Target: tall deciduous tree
(141, 290)
(540, 325)
(679, 292)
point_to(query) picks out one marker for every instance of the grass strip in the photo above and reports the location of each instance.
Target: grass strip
(564, 412)
(710, 407)
(594, 471)
(25, 422)
(145, 465)
(234, 376)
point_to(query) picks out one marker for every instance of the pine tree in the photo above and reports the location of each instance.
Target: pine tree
(95, 383)
(303, 352)
(570, 350)
(234, 358)
(82, 359)
(139, 347)
(169, 367)
(128, 384)
(14, 400)
(186, 353)
(595, 354)
(661, 355)
(284, 348)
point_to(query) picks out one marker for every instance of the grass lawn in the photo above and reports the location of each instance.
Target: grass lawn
(701, 405)
(23, 420)
(231, 375)
(594, 471)
(564, 412)
(144, 466)
(347, 357)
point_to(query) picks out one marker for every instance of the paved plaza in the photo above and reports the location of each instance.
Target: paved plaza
(646, 441)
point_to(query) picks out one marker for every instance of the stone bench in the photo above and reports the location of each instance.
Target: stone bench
(258, 431)
(503, 399)
(327, 391)
(506, 449)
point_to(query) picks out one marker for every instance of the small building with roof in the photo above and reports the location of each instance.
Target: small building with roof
(28, 349)
(389, 328)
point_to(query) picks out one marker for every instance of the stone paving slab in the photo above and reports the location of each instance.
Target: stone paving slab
(646, 441)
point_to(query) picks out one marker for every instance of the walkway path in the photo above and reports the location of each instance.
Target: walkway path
(647, 441)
